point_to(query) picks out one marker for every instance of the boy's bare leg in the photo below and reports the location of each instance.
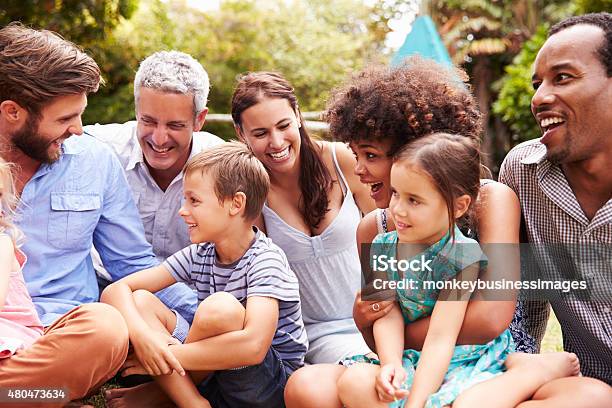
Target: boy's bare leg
(525, 374)
(218, 314)
(160, 318)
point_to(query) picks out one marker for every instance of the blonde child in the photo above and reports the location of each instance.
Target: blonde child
(20, 326)
(247, 336)
(434, 180)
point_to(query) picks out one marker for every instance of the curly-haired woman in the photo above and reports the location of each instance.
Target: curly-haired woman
(377, 112)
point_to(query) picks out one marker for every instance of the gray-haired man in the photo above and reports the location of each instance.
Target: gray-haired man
(170, 91)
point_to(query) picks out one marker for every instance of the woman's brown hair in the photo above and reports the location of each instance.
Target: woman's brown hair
(315, 180)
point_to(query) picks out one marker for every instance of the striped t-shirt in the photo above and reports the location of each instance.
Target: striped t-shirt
(262, 271)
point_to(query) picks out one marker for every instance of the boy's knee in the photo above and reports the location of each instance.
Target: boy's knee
(143, 298)
(221, 309)
(299, 385)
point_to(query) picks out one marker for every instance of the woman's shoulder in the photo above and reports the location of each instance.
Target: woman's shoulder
(495, 199)
(367, 228)
(498, 213)
(494, 190)
(325, 151)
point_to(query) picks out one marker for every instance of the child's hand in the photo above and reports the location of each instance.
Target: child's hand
(389, 383)
(153, 353)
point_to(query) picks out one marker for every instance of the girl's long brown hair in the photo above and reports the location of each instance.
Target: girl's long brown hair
(453, 163)
(315, 180)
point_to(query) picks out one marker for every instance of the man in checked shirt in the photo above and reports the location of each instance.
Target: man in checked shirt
(564, 184)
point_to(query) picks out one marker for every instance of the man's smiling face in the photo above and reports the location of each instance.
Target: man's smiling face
(573, 95)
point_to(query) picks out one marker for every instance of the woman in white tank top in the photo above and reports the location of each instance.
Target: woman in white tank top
(312, 212)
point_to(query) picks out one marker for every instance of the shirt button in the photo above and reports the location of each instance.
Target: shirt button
(606, 309)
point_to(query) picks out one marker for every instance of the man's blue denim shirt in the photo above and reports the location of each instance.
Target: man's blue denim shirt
(81, 200)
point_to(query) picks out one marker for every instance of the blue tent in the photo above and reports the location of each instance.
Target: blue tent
(423, 39)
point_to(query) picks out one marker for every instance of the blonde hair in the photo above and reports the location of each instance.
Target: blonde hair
(8, 203)
(234, 169)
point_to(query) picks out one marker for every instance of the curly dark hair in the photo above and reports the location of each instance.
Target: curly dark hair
(602, 20)
(403, 103)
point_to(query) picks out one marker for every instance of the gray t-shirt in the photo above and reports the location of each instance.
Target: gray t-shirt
(262, 271)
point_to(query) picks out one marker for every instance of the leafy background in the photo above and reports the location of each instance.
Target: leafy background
(317, 44)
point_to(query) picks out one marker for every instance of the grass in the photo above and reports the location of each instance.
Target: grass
(97, 400)
(552, 341)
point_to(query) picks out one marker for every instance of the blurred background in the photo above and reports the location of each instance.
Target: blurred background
(316, 44)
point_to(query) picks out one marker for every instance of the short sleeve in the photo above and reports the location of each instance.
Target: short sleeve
(181, 263)
(269, 275)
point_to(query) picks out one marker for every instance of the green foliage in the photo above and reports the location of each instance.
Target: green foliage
(593, 6)
(314, 43)
(514, 101)
(118, 57)
(91, 24)
(81, 21)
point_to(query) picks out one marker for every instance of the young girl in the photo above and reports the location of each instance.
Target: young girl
(312, 210)
(20, 326)
(434, 180)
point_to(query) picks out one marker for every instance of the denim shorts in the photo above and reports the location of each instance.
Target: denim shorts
(181, 330)
(257, 386)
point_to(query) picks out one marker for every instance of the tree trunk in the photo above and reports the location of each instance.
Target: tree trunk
(481, 79)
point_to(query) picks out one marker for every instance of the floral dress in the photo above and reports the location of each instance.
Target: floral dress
(470, 364)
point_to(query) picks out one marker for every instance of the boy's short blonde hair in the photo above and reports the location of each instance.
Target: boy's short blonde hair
(234, 169)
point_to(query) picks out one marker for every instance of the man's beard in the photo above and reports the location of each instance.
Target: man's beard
(33, 145)
(561, 154)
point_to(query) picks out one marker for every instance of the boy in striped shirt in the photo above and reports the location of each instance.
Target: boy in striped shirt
(247, 336)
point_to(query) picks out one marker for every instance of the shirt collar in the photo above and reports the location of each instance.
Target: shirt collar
(70, 147)
(198, 144)
(136, 155)
(537, 157)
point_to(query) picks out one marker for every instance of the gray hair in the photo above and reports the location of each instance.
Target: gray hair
(177, 72)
